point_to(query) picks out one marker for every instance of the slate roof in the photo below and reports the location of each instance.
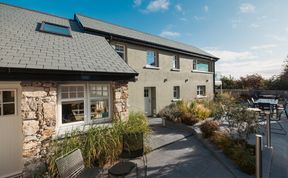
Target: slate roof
(22, 46)
(98, 25)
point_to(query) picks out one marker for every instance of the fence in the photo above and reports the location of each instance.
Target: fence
(252, 93)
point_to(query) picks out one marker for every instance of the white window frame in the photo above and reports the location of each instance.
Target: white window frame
(15, 103)
(87, 101)
(199, 90)
(117, 51)
(156, 60)
(176, 90)
(175, 62)
(195, 68)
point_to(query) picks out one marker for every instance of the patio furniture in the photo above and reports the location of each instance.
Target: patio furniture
(275, 115)
(133, 147)
(71, 165)
(265, 103)
(250, 104)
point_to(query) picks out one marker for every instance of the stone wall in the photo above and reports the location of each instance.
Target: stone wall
(120, 100)
(38, 110)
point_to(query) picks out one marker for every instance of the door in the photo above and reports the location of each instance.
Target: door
(10, 130)
(147, 101)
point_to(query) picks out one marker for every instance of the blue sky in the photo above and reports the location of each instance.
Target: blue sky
(249, 36)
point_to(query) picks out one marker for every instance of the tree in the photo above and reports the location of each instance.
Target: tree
(228, 82)
(254, 81)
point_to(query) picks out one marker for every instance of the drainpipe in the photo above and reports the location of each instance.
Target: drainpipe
(213, 68)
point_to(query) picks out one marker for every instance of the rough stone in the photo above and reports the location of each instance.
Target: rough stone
(49, 110)
(30, 127)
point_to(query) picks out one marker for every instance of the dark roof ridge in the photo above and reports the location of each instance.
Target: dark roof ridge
(37, 11)
(133, 29)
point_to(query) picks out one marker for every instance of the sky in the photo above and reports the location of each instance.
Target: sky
(248, 36)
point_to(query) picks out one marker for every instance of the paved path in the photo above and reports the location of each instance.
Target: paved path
(279, 167)
(184, 158)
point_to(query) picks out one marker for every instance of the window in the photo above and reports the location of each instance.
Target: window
(7, 102)
(72, 102)
(152, 59)
(55, 29)
(201, 65)
(201, 90)
(120, 49)
(176, 92)
(84, 102)
(99, 101)
(175, 62)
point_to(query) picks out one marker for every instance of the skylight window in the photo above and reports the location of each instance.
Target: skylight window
(55, 29)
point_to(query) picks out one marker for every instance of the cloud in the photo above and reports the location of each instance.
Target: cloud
(254, 25)
(179, 7)
(286, 29)
(265, 46)
(184, 19)
(247, 8)
(198, 18)
(277, 37)
(206, 8)
(137, 3)
(156, 5)
(169, 34)
(232, 56)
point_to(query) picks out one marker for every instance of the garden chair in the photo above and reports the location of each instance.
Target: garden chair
(71, 165)
(250, 104)
(133, 147)
(275, 115)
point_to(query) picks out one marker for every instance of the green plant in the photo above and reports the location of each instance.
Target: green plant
(208, 128)
(221, 140)
(201, 112)
(99, 144)
(171, 112)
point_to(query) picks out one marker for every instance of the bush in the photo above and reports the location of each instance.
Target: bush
(221, 140)
(99, 144)
(171, 112)
(208, 128)
(201, 112)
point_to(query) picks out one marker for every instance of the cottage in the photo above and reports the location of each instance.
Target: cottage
(53, 78)
(58, 74)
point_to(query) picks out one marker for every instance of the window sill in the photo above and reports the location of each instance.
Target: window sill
(199, 71)
(200, 97)
(151, 67)
(175, 100)
(64, 129)
(175, 69)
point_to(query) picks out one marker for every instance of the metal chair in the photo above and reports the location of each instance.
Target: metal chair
(133, 147)
(275, 115)
(71, 165)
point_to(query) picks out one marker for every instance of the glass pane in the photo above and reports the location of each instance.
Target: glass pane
(105, 93)
(104, 87)
(64, 95)
(151, 58)
(80, 89)
(73, 95)
(81, 94)
(8, 96)
(73, 89)
(56, 29)
(8, 109)
(64, 89)
(99, 109)
(72, 111)
(202, 67)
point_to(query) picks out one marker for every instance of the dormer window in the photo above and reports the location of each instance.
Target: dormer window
(55, 29)
(120, 49)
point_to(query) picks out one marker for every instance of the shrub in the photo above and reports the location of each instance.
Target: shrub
(221, 140)
(201, 112)
(208, 128)
(171, 112)
(99, 144)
